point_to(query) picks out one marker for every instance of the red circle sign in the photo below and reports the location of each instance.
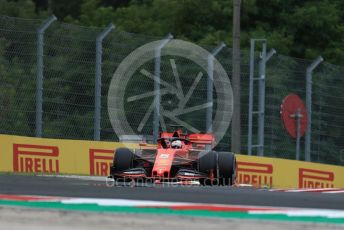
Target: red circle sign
(290, 106)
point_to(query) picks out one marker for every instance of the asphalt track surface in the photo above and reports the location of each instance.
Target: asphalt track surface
(72, 187)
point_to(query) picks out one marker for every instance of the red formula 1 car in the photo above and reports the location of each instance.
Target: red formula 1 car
(177, 157)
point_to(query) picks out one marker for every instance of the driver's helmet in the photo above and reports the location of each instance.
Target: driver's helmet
(176, 144)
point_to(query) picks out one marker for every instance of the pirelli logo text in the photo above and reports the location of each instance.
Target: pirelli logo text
(311, 178)
(100, 161)
(35, 158)
(254, 173)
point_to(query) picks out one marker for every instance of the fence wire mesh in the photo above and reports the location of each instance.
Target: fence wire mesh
(17, 75)
(285, 75)
(69, 89)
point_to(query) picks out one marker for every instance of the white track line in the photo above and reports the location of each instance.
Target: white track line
(305, 212)
(313, 190)
(93, 178)
(334, 192)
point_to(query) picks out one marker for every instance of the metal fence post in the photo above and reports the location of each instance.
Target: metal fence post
(210, 80)
(39, 77)
(297, 115)
(98, 81)
(309, 106)
(250, 100)
(156, 117)
(261, 103)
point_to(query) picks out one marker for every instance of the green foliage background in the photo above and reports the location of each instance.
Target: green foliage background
(302, 29)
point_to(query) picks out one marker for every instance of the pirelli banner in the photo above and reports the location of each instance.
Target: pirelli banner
(55, 156)
(282, 173)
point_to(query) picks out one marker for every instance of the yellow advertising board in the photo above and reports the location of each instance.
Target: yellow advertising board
(56, 156)
(43, 155)
(282, 173)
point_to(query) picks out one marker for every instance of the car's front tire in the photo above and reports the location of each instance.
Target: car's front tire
(206, 164)
(123, 160)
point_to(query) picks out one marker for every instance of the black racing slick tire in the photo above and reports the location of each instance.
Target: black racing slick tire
(226, 168)
(206, 162)
(123, 159)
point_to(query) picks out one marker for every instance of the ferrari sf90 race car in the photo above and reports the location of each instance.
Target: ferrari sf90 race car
(176, 157)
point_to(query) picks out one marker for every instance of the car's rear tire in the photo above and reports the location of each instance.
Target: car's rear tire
(206, 164)
(123, 159)
(226, 168)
